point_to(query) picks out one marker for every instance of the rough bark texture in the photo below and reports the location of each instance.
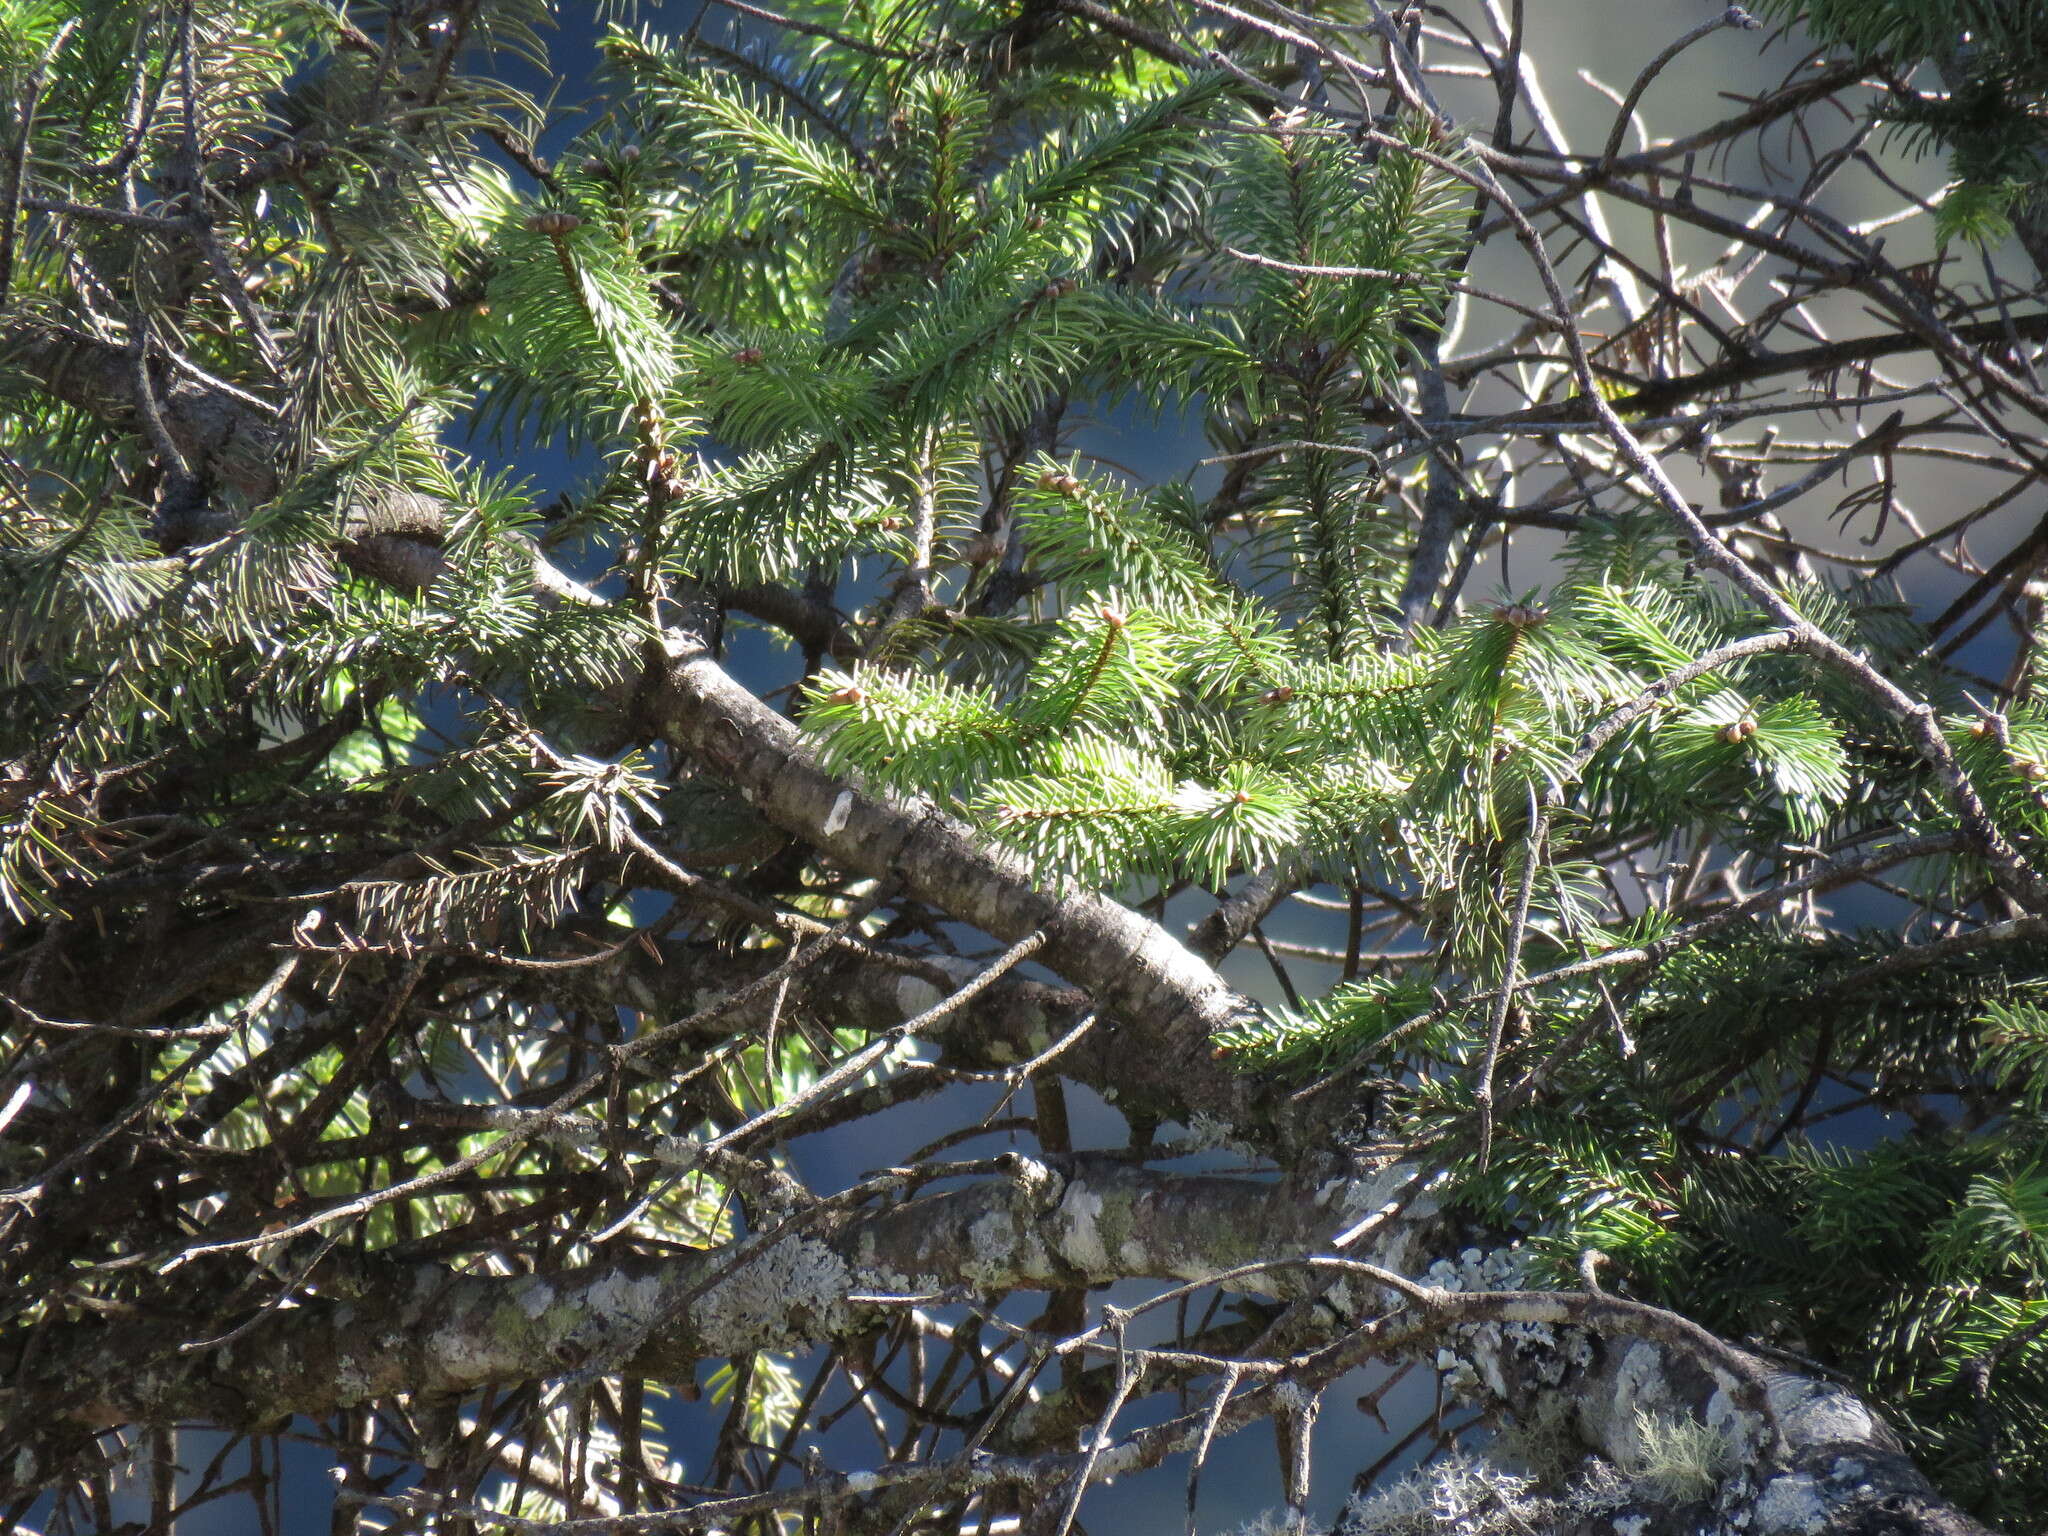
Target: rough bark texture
(1801, 1455)
(1806, 1459)
(363, 1329)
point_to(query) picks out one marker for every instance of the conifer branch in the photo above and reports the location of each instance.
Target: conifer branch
(434, 943)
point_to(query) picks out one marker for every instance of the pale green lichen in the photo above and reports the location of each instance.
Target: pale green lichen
(780, 1298)
(1462, 1495)
(1792, 1503)
(1081, 1239)
(914, 995)
(1678, 1460)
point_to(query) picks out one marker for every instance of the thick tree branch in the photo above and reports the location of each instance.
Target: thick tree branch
(1597, 1367)
(1169, 1004)
(369, 1330)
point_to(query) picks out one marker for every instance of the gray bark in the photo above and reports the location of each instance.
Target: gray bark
(1802, 1458)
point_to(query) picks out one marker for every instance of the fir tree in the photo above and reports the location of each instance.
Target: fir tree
(446, 899)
